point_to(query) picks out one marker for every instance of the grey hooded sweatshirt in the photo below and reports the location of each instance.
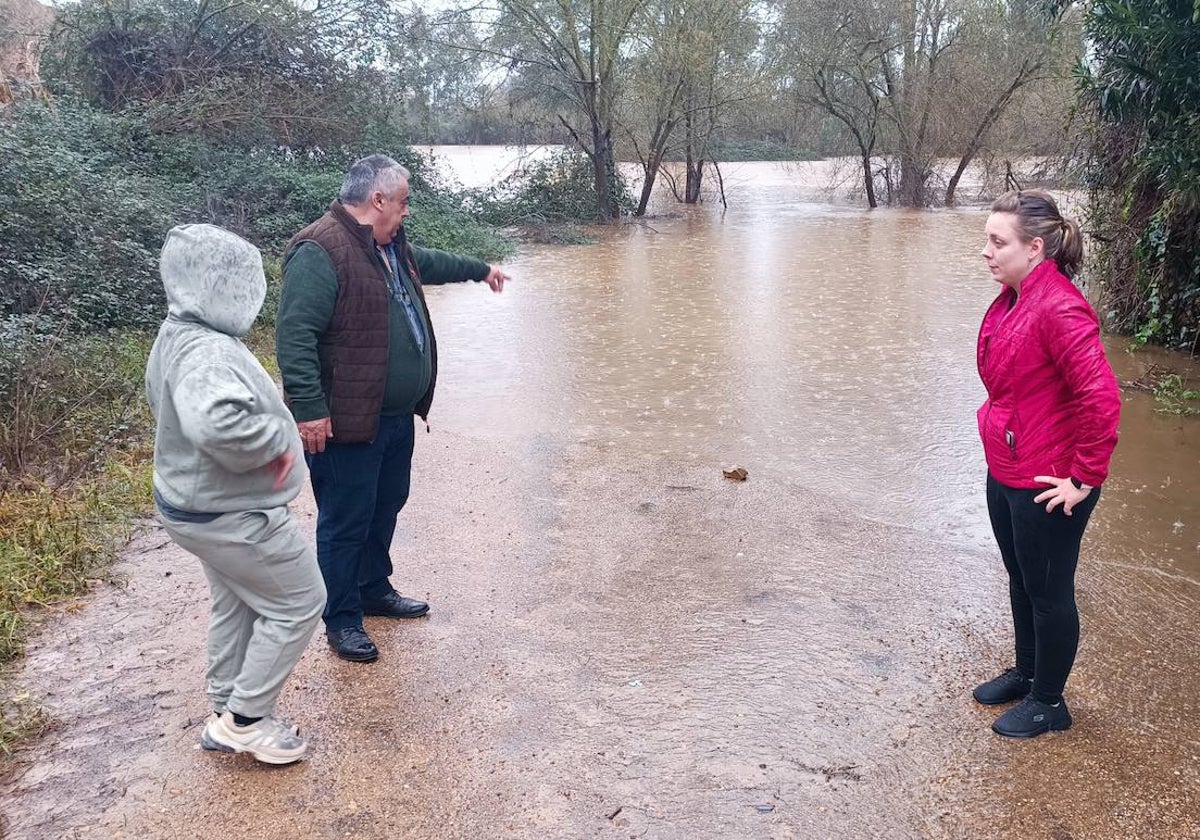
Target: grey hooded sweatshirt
(220, 418)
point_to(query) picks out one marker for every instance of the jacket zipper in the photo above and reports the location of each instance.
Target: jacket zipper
(1010, 437)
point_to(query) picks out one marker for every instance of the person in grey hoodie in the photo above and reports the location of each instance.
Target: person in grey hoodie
(227, 460)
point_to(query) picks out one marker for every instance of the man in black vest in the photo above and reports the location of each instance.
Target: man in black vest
(358, 358)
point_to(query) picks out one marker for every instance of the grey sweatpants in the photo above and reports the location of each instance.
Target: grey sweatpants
(267, 598)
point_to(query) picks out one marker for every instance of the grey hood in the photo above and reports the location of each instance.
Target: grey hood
(212, 277)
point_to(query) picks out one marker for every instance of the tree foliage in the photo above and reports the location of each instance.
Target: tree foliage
(436, 59)
(1142, 95)
(86, 199)
(268, 71)
(573, 52)
(914, 83)
(82, 217)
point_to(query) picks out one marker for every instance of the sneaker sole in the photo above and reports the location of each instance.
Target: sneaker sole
(263, 757)
(421, 614)
(275, 760)
(207, 743)
(1027, 735)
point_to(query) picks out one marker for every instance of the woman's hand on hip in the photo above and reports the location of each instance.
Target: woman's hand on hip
(1063, 492)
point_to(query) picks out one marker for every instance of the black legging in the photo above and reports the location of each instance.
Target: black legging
(1040, 551)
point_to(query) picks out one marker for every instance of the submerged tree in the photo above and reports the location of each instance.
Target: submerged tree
(690, 64)
(916, 82)
(573, 52)
(832, 58)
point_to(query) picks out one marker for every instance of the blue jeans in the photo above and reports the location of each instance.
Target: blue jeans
(360, 488)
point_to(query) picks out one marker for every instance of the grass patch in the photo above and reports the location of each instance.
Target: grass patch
(56, 543)
(75, 474)
(1174, 398)
(21, 717)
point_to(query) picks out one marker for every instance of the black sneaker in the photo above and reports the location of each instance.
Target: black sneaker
(1031, 718)
(1009, 686)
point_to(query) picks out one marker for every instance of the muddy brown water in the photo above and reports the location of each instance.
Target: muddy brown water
(625, 644)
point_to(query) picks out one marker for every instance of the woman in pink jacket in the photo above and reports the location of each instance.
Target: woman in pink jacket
(1049, 426)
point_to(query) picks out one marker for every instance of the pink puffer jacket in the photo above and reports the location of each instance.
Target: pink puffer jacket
(1053, 403)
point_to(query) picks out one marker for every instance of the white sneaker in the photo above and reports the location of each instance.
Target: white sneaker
(206, 740)
(269, 740)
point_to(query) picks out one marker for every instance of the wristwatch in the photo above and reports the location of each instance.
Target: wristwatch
(1079, 485)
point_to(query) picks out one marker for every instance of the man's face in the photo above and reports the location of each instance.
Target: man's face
(391, 213)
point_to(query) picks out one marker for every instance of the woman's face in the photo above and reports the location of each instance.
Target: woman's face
(1008, 258)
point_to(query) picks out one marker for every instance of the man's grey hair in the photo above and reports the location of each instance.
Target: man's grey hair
(374, 172)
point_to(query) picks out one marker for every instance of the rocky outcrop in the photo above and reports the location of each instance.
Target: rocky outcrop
(24, 26)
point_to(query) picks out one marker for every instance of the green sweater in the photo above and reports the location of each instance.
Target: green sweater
(306, 308)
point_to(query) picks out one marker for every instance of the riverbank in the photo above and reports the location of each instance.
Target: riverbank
(616, 626)
(617, 649)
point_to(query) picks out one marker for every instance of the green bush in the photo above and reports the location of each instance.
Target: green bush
(747, 149)
(558, 190)
(86, 199)
(1174, 397)
(81, 218)
(66, 402)
(439, 222)
(1140, 91)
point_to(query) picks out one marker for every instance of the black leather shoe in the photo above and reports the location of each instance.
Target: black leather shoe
(353, 644)
(395, 605)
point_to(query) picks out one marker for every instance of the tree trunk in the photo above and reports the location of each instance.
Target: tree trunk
(693, 163)
(911, 191)
(695, 177)
(653, 162)
(601, 167)
(869, 181)
(1024, 76)
(651, 170)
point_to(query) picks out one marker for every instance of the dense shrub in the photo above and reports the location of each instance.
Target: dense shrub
(86, 199)
(250, 74)
(748, 149)
(67, 401)
(1143, 98)
(82, 217)
(554, 190)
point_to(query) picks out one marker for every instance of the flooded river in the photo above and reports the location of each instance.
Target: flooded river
(622, 642)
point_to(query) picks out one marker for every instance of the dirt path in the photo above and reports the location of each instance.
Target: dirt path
(615, 649)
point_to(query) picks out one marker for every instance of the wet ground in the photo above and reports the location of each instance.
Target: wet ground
(624, 643)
